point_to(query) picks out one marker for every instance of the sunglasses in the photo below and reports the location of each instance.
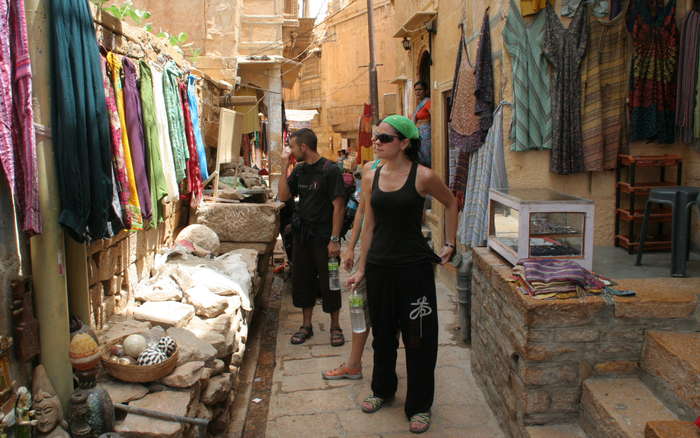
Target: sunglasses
(385, 138)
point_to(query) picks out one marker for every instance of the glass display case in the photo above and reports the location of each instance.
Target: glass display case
(525, 223)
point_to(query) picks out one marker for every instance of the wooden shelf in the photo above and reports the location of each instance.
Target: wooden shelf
(649, 160)
(657, 215)
(649, 245)
(643, 188)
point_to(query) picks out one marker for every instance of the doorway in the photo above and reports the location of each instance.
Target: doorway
(424, 68)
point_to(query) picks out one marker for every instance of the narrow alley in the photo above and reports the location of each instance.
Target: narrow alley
(199, 201)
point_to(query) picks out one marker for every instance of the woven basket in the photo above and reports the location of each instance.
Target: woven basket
(138, 373)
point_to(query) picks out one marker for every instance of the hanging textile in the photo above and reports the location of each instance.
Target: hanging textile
(156, 178)
(246, 149)
(17, 140)
(604, 81)
(364, 136)
(463, 123)
(133, 207)
(196, 127)
(134, 126)
(531, 7)
(487, 170)
(687, 76)
(118, 162)
(194, 175)
(80, 122)
(484, 80)
(166, 151)
(600, 8)
(696, 121)
(652, 97)
(251, 121)
(176, 125)
(531, 127)
(564, 48)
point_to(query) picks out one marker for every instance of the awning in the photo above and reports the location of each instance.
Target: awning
(415, 23)
(297, 119)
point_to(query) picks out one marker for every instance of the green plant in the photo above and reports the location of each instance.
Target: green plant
(127, 10)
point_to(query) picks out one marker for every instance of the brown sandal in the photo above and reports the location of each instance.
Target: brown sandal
(302, 335)
(337, 338)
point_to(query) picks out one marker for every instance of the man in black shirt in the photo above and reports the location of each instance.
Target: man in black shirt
(316, 230)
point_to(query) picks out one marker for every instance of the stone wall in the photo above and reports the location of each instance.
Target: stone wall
(530, 356)
(116, 265)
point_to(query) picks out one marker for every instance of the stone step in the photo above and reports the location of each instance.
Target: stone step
(671, 429)
(619, 408)
(556, 431)
(671, 362)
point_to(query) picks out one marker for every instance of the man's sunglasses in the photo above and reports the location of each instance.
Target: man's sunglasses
(385, 138)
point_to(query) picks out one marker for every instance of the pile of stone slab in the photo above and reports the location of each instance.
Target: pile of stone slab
(205, 305)
(243, 225)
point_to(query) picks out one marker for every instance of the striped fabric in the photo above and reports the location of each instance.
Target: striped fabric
(604, 81)
(532, 121)
(552, 275)
(696, 121)
(687, 76)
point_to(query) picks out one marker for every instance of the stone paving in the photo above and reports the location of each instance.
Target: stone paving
(303, 404)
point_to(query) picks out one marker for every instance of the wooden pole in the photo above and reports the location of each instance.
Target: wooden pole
(47, 250)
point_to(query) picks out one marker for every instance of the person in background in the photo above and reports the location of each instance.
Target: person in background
(352, 367)
(316, 230)
(421, 117)
(398, 266)
(342, 156)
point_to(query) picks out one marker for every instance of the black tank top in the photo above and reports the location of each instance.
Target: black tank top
(397, 238)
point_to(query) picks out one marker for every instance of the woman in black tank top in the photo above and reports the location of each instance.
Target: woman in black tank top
(398, 265)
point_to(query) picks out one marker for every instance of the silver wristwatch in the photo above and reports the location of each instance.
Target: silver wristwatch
(335, 239)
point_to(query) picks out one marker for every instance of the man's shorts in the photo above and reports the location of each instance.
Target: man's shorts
(310, 275)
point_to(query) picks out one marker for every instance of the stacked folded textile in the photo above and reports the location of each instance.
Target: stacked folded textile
(555, 278)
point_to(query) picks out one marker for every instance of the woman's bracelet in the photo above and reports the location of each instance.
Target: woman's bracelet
(451, 245)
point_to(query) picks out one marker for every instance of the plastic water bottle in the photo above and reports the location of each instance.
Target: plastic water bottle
(357, 312)
(334, 274)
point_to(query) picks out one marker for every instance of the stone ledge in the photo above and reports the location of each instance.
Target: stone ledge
(556, 431)
(658, 298)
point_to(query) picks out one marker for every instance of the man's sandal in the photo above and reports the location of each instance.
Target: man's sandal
(302, 335)
(373, 403)
(337, 338)
(419, 422)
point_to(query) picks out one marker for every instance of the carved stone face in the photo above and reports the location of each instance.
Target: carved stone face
(48, 412)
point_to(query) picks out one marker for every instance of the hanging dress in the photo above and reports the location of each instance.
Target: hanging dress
(604, 82)
(194, 113)
(531, 126)
(119, 174)
(176, 124)
(487, 170)
(652, 97)
(166, 151)
(17, 138)
(137, 142)
(133, 207)
(564, 49)
(687, 76)
(80, 124)
(194, 175)
(156, 177)
(463, 122)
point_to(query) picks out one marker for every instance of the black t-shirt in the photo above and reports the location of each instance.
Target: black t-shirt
(317, 185)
